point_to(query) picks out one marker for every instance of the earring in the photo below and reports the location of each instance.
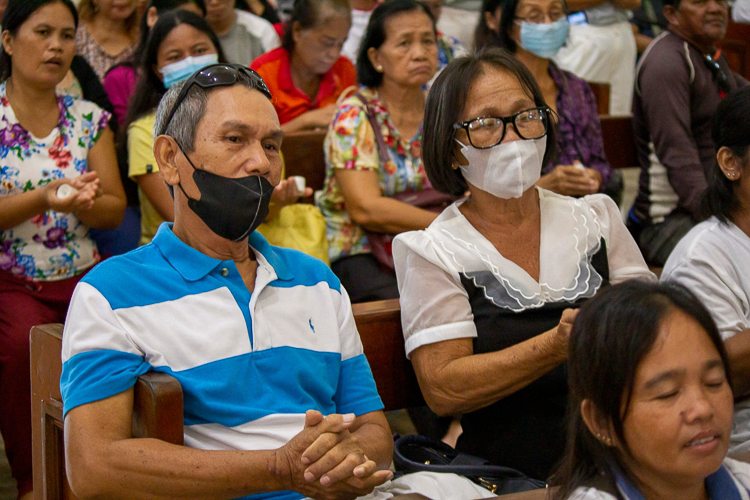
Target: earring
(379, 69)
(605, 439)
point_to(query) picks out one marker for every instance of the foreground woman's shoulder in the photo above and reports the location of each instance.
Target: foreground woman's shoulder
(739, 470)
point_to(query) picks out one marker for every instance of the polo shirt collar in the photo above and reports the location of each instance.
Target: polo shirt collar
(261, 245)
(720, 484)
(194, 265)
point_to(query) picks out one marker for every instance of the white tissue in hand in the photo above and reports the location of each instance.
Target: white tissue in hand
(65, 190)
(301, 183)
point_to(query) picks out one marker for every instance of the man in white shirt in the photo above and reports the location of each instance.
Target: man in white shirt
(243, 36)
(361, 11)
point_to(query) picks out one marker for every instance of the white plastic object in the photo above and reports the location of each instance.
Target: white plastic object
(301, 183)
(579, 165)
(65, 190)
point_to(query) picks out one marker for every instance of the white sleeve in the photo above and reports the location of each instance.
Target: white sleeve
(623, 254)
(721, 295)
(267, 34)
(586, 493)
(434, 307)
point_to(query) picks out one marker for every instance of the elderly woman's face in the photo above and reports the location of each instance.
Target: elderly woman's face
(680, 416)
(408, 56)
(496, 92)
(319, 46)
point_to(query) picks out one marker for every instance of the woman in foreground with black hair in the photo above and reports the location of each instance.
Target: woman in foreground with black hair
(713, 259)
(651, 403)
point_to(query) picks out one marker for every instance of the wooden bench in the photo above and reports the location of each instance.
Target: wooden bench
(304, 156)
(619, 141)
(158, 397)
(157, 412)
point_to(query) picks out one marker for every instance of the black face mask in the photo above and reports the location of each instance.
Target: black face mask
(231, 208)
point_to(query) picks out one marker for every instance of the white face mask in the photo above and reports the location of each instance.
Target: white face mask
(505, 170)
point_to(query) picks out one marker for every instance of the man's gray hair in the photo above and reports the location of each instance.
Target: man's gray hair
(190, 112)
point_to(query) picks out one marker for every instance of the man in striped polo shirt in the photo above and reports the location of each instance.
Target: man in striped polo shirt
(262, 339)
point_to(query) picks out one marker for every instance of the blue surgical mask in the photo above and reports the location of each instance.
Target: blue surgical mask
(176, 72)
(544, 40)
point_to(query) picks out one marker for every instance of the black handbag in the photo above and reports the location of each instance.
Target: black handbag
(422, 454)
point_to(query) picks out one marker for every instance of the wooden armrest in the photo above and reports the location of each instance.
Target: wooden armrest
(158, 408)
(379, 326)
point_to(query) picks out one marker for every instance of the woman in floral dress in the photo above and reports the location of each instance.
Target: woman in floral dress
(49, 144)
(397, 57)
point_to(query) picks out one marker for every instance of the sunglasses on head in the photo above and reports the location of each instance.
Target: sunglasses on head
(217, 75)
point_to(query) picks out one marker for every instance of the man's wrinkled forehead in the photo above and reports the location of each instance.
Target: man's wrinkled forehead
(241, 108)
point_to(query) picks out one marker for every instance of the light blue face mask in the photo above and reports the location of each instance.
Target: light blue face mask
(544, 40)
(176, 72)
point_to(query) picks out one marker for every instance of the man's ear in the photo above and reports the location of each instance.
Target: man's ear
(671, 15)
(598, 425)
(165, 153)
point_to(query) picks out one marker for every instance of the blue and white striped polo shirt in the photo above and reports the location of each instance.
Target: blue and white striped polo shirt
(250, 365)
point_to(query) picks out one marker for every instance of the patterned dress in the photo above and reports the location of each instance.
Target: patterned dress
(52, 245)
(98, 59)
(350, 144)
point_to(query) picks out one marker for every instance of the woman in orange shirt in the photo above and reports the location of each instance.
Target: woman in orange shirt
(307, 73)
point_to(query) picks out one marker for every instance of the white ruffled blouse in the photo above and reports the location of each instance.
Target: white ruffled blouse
(430, 263)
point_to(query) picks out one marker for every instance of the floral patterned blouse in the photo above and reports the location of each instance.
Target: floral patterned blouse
(351, 144)
(52, 245)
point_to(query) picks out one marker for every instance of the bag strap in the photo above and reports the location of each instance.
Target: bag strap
(460, 463)
(372, 118)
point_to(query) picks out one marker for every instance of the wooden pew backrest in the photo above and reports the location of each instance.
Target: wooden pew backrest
(619, 141)
(157, 412)
(304, 155)
(379, 325)
(601, 92)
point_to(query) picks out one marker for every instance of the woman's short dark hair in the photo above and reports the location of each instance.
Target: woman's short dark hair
(446, 101)
(307, 14)
(162, 6)
(483, 35)
(731, 129)
(611, 335)
(18, 12)
(375, 36)
(150, 88)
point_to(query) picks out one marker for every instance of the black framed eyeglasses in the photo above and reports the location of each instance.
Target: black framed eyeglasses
(217, 75)
(721, 77)
(488, 131)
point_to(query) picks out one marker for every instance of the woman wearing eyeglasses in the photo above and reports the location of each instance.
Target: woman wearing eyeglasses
(488, 290)
(535, 30)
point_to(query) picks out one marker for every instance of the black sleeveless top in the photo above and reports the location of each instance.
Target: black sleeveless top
(525, 430)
